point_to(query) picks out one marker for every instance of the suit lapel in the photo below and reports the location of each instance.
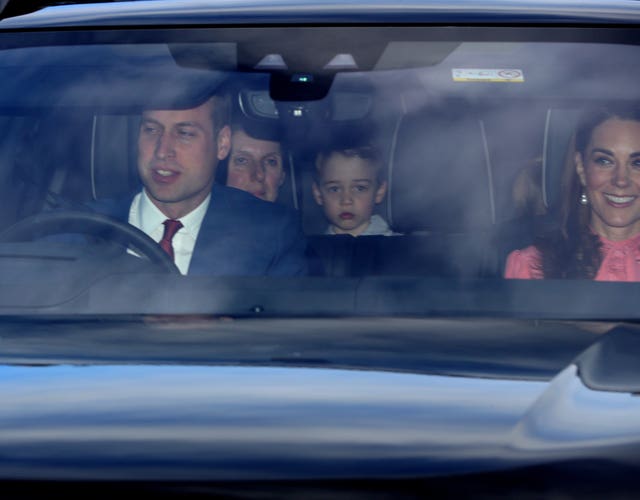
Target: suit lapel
(217, 234)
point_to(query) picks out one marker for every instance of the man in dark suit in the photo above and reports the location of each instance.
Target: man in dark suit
(209, 229)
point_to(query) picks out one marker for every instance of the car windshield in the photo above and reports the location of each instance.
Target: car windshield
(342, 249)
(319, 171)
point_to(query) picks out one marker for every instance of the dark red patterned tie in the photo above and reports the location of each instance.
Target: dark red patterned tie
(171, 227)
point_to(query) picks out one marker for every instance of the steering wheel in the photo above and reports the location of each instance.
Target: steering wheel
(93, 224)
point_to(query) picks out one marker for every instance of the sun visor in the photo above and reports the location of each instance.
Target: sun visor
(125, 77)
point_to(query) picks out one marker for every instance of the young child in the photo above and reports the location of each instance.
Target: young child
(348, 185)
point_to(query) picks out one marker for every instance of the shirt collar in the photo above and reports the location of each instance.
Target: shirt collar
(151, 217)
(629, 243)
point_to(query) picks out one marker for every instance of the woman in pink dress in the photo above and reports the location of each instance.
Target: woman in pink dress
(599, 232)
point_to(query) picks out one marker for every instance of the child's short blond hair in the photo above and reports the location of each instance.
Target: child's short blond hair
(369, 153)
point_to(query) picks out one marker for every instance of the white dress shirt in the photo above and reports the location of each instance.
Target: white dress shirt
(144, 215)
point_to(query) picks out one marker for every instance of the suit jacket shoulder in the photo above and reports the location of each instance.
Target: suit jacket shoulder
(243, 235)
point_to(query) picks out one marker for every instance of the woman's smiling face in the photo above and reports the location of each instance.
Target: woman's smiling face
(609, 170)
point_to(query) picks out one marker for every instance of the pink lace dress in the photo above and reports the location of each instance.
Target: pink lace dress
(621, 262)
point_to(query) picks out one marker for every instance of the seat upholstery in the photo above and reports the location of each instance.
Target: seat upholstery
(113, 156)
(440, 175)
(559, 128)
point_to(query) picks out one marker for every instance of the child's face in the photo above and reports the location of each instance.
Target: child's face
(347, 191)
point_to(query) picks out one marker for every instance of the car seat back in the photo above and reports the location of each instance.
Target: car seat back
(113, 156)
(560, 126)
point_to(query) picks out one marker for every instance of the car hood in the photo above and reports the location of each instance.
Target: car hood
(225, 11)
(216, 400)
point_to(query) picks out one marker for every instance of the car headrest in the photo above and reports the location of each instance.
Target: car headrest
(558, 135)
(114, 156)
(440, 174)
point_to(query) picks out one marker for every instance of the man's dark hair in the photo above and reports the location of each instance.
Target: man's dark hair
(221, 111)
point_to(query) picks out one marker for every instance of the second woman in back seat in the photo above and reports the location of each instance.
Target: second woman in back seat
(255, 160)
(599, 229)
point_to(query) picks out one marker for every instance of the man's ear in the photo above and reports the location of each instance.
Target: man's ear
(317, 195)
(381, 191)
(580, 169)
(224, 142)
(283, 176)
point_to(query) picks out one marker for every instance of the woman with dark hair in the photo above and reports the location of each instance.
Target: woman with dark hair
(255, 162)
(598, 236)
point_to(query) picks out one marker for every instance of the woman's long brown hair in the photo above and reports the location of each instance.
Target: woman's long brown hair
(573, 250)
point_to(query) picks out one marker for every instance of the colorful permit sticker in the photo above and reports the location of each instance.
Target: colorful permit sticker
(488, 75)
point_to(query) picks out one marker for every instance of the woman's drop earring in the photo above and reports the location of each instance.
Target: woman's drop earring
(583, 198)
